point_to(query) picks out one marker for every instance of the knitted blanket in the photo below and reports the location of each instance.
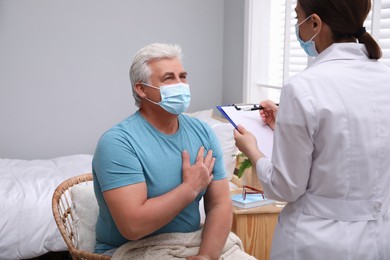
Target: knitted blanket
(176, 246)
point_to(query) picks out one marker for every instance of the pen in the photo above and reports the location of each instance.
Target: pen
(255, 108)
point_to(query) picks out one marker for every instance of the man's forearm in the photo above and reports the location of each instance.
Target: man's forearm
(215, 231)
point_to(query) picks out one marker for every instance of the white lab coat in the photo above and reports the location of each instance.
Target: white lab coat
(331, 159)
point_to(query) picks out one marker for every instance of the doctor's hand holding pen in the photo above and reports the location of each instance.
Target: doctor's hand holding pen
(268, 112)
(245, 141)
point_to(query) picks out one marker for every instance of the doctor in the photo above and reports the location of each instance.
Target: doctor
(331, 156)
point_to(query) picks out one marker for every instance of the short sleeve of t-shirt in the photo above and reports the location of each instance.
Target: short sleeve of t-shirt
(115, 158)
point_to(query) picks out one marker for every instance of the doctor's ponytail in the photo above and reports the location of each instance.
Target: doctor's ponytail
(373, 49)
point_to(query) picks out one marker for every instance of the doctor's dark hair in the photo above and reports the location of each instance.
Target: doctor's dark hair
(345, 18)
(140, 71)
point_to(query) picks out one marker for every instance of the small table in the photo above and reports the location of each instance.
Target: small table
(255, 227)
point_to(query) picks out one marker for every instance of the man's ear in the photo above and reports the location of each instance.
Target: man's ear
(140, 89)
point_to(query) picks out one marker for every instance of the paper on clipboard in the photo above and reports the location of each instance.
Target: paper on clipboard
(252, 122)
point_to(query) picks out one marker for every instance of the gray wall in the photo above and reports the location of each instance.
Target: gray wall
(64, 65)
(233, 71)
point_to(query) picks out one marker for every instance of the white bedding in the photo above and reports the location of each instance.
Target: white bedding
(27, 227)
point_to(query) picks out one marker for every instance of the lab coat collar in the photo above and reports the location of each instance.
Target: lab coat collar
(341, 51)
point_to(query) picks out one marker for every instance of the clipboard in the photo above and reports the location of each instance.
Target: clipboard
(251, 120)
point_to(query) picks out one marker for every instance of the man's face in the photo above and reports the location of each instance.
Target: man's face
(164, 72)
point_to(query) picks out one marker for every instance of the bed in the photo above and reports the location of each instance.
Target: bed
(27, 227)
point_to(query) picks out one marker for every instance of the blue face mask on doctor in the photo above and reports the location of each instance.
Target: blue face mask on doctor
(175, 98)
(309, 47)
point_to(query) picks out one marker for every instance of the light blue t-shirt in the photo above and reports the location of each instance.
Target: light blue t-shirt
(134, 151)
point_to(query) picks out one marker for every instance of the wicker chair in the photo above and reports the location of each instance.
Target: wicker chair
(64, 218)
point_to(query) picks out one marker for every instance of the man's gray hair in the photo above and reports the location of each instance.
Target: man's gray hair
(140, 71)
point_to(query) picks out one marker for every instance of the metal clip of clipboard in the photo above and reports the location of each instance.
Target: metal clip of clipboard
(247, 107)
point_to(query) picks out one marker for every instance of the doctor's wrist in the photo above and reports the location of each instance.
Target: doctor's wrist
(255, 156)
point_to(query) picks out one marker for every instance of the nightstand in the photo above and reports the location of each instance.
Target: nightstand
(255, 227)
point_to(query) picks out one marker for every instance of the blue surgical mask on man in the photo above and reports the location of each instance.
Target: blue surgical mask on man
(309, 47)
(175, 98)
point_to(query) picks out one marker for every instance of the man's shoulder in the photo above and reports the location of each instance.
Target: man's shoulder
(125, 127)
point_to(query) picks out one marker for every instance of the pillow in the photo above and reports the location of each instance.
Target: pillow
(86, 208)
(224, 132)
(27, 187)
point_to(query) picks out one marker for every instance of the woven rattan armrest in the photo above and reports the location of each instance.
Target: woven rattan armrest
(64, 217)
